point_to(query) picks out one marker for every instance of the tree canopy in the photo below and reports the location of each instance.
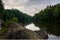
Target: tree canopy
(8, 15)
(1, 6)
(49, 18)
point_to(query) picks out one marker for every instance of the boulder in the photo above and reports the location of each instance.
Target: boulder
(42, 33)
(17, 31)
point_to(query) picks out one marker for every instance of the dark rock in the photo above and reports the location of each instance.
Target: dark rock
(17, 31)
(42, 33)
(1, 24)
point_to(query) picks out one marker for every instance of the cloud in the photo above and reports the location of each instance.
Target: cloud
(15, 2)
(29, 6)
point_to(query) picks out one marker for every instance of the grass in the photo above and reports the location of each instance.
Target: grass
(4, 30)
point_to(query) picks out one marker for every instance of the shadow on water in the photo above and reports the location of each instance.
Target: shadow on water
(51, 28)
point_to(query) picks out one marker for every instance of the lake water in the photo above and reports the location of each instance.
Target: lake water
(35, 28)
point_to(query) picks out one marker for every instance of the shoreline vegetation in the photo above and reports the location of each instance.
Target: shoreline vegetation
(13, 22)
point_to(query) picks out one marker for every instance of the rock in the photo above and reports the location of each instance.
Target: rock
(17, 31)
(42, 33)
(26, 34)
(14, 27)
(1, 22)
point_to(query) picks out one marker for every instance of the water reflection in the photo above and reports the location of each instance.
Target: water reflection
(32, 27)
(53, 37)
(52, 32)
(51, 28)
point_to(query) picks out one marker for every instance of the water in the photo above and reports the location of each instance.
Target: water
(53, 37)
(32, 27)
(35, 28)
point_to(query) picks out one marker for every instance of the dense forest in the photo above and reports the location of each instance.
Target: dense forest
(12, 15)
(48, 18)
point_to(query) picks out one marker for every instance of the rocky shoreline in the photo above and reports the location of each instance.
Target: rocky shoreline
(17, 31)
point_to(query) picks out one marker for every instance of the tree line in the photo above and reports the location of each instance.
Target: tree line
(14, 15)
(49, 18)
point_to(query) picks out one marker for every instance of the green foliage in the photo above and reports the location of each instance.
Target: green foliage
(7, 23)
(1, 9)
(49, 18)
(3, 31)
(1, 6)
(49, 15)
(12, 15)
(15, 20)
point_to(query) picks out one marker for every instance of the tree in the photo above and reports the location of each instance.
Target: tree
(1, 6)
(1, 9)
(49, 18)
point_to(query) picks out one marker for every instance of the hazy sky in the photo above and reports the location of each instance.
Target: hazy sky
(29, 6)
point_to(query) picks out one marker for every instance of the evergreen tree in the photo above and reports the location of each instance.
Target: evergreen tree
(1, 6)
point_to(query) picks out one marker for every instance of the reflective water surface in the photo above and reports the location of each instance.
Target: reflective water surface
(36, 28)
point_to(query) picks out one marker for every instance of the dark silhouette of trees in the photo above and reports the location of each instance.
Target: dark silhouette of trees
(49, 18)
(1, 9)
(14, 13)
(10, 14)
(1, 6)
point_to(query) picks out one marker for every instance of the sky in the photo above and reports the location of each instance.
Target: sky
(30, 7)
